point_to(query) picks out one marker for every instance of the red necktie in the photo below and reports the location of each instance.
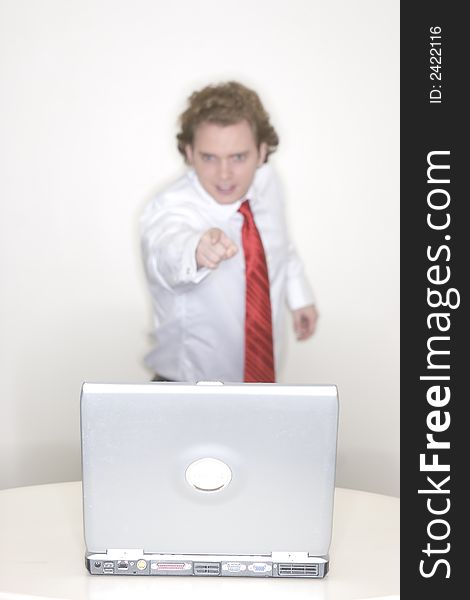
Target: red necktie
(259, 360)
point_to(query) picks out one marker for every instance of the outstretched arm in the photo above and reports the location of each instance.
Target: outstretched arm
(178, 252)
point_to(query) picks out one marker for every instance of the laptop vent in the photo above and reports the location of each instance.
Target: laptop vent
(298, 570)
(201, 568)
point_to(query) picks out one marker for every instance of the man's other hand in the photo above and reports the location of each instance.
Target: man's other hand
(214, 247)
(305, 321)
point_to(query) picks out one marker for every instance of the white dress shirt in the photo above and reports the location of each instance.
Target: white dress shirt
(200, 313)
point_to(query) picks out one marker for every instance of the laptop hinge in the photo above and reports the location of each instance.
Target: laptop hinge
(290, 556)
(123, 552)
(296, 557)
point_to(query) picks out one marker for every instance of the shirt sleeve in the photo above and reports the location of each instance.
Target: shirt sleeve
(299, 292)
(169, 241)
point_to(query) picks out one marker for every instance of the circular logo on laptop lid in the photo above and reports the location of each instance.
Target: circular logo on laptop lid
(208, 475)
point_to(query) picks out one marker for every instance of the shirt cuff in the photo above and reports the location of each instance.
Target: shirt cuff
(299, 293)
(189, 271)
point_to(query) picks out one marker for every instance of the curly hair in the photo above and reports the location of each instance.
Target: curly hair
(226, 104)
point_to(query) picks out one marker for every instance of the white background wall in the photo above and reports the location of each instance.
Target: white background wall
(91, 91)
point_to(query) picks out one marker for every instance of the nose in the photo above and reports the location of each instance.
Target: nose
(224, 170)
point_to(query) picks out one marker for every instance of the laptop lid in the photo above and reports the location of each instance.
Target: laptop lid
(242, 469)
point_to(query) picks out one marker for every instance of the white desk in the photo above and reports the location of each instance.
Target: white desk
(42, 555)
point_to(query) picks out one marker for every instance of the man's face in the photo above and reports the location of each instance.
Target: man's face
(225, 158)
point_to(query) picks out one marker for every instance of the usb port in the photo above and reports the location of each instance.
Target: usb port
(108, 565)
(108, 570)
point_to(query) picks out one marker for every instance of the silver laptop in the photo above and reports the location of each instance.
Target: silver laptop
(208, 479)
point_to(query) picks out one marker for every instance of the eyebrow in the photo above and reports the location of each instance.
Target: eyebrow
(203, 153)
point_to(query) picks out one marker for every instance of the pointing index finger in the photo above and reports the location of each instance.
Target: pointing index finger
(227, 243)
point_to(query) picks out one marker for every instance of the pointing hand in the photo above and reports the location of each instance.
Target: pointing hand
(214, 247)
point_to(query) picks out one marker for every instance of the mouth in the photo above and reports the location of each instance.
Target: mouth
(226, 190)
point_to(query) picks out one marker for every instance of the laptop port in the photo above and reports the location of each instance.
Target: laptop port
(141, 564)
(233, 567)
(260, 568)
(170, 566)
(206, 568)
(108, 570)
(122, 564)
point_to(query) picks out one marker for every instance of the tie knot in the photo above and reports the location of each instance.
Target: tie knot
(245, 209)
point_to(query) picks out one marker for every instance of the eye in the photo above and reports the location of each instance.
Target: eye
(207, 157)
(239, 157)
